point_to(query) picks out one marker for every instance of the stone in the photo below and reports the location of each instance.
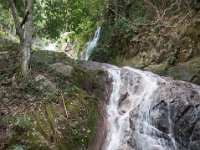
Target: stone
(186, 71)
(175, 112)
(46, 84)
(62, 69)
(124, 105)
(180, 72)
(166, 115)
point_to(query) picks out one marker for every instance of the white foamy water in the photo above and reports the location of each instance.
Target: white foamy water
(130, 126)
(91, 45)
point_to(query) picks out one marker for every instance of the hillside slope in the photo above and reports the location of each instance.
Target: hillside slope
(55, 107)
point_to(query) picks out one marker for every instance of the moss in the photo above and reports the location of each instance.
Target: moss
(194, 66)
(135, 62)
(49, 127)
(160, 69)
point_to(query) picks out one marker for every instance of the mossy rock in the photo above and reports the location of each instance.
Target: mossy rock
(194, 66)
(160, 69)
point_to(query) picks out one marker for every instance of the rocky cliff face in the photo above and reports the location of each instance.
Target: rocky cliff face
(133, 35)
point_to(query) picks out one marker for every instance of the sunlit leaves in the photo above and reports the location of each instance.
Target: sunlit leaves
(53, 17)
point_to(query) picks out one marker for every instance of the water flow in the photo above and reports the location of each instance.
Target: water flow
(130, 125)
(91, 45)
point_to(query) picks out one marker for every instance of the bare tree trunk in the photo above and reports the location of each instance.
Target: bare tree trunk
(25, 34)
(26, 44)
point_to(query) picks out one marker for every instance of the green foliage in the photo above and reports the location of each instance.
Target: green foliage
(58, 17)
(39, 43)
(48, 96)
(17, 147)
(124, 21)
(22, 121)
(52, 18)
(5, 18)
(101, 54)
(2, 33)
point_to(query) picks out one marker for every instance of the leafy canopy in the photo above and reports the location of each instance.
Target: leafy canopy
(53, 17)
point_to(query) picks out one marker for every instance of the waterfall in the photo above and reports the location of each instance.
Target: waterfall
(139, 111)
(132, 91)
(146, 111)
(91, 45)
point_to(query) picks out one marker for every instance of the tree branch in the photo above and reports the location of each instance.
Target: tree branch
(65, 109)
(19, 30)
(153, 6)
(164, 12)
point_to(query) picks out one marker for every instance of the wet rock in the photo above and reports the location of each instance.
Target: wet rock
(162, 113)
(175, 113)
(62, 69)
(122, 97)
(124, 106)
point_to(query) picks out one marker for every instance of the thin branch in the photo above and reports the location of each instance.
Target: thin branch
(156, 22)
(183, 18)
(164, 12)
(173, 26)
(140, 4)
(65, 110)
(152, 5)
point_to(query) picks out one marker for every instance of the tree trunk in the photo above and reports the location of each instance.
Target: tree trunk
(25, 35)
(26, 44)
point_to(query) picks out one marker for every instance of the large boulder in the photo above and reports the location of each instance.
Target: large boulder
(62, 69)
(46, 84)
(171, 115)
(153, 112)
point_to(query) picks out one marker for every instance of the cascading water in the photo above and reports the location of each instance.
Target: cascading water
(148, 112)
(134, 120)
(91, 45)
